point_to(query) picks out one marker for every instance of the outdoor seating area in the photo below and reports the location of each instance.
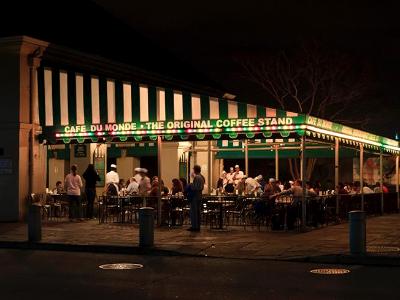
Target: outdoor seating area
(223, 211)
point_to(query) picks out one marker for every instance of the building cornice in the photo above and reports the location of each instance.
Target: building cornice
(65, 57)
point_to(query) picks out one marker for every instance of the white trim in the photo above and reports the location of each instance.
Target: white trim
(80, 113)
(196, 107)
(232, 110)
(64, 98)
(270, 112)
(111, 101)
(48, 97)
(214, 108)
(251, 111)
(178, 105)
(144, 103)
(127, 96)
(95, 100)
(160, 104)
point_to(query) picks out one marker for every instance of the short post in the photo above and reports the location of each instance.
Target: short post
(357, 232)
(35, 223)
(146, 227)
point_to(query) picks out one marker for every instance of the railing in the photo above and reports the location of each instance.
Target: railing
(222, 211)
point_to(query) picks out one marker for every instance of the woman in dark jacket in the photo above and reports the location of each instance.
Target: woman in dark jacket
(91, 177)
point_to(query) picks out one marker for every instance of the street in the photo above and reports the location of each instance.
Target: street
(71, 275)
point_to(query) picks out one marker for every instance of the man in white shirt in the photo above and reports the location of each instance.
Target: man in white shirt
(367, 190)
(229, 176)
(133, 187)
(73, 185)
(137, 176)
(252, 186)
(238, 175)
(112, 177)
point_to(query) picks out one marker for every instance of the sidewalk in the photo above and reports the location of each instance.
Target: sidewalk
(328, 243)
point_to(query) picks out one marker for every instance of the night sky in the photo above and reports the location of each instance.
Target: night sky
(208, 34)
(198, 40)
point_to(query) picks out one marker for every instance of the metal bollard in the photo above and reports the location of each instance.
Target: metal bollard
(35, 223)
(146, 227)
(357, 232)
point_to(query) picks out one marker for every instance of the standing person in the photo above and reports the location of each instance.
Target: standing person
(137, 176)
(194, 197)
(221, 181)
(112, 177)
(238, 175)
(229, 176)
(145, 184)
(73, 185)
(91, 177)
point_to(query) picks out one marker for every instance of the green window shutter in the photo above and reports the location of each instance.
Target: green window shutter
(205, 107)
(119, 102)
(223, 108)
(187, 106)
(135, 102)
(87, 98)
(55, 80)
(103, 100)
(169, 104)
(261, 111)
(152, 104)
(71, 97)
(242, 110)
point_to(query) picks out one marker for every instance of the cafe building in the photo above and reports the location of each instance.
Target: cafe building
(62, 107)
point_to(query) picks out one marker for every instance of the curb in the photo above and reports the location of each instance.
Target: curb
(338, 259)
(26, 245)
(348, 259)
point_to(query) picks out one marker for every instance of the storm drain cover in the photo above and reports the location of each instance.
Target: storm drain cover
(382, 249)
(121, 266)
(330, 271)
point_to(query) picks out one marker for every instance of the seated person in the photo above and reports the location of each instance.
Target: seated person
(133, 187)
(59, 188)
(377, 188)
(367, 190)
(111, 189)
(340, 189)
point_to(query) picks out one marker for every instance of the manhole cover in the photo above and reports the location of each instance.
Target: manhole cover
(330, 271)
(121, 266)
(382, 249)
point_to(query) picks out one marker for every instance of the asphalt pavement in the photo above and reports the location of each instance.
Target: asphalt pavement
(43, 275)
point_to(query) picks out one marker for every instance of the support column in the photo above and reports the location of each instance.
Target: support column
(362, 175)
(246, 158)
(303, 184)
(194, 153)
(276, 162)
(381, 178)
(159, 149)
(337, 174)
(397, 182)
(209, 167)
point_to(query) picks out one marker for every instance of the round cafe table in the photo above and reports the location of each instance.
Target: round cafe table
(220, 202)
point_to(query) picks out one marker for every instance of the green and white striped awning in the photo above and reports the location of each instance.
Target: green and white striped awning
(70, 98)
(80, 106)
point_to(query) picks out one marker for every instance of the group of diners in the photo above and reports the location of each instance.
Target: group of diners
(141, 185)
(234, 182)
(355, 188)
(138, 185)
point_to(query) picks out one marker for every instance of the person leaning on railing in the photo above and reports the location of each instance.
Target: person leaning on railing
(297, 193)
